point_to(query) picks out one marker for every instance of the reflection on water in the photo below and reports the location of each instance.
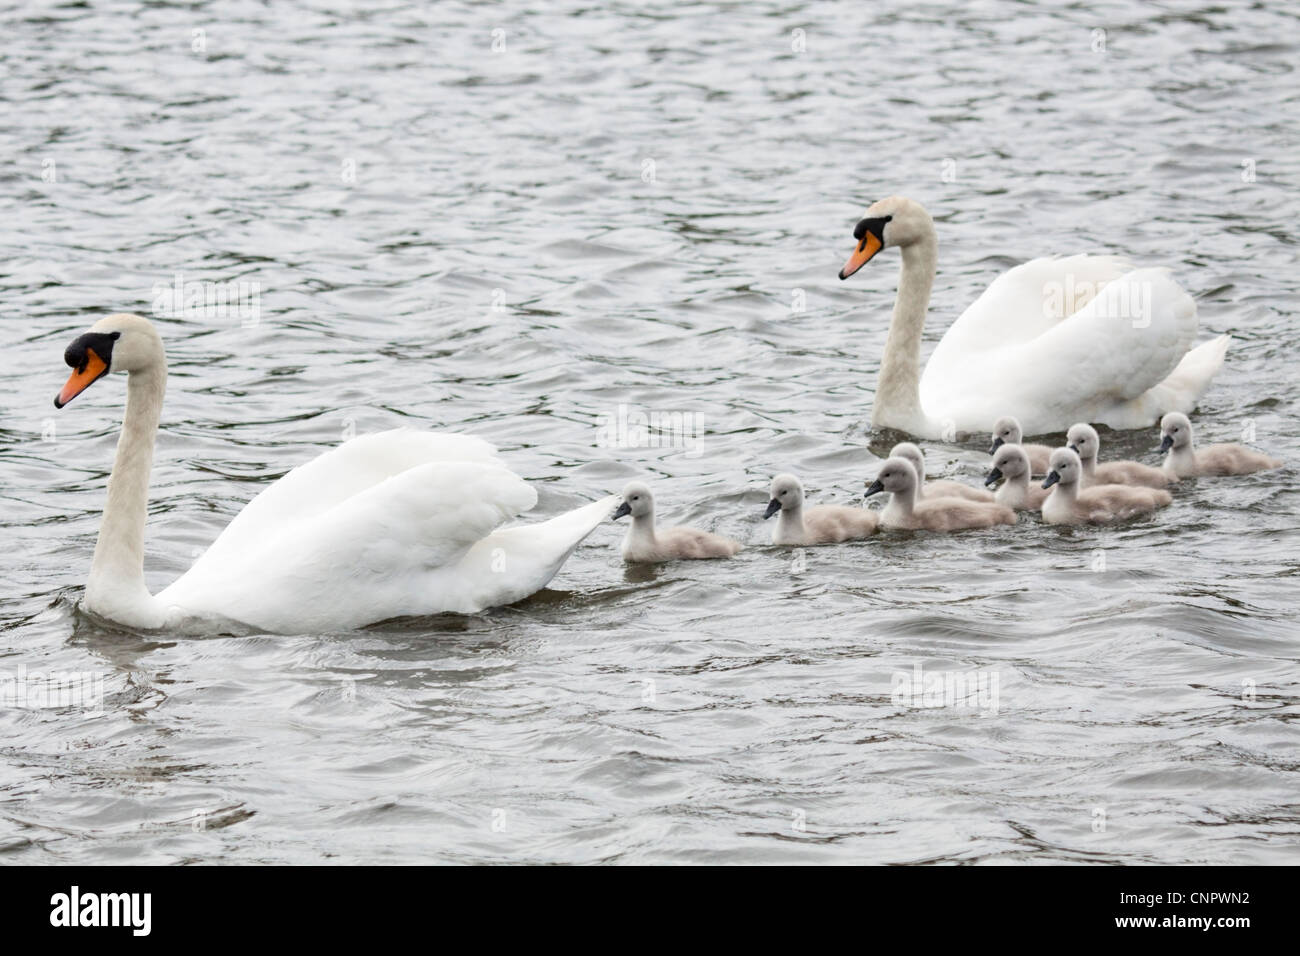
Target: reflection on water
(609, 211)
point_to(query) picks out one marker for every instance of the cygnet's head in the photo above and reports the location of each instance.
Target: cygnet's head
(896, 221)
(787, 494)
(895, 475)
(1082, 439)
(1065, 468)
(1175, 431)
(637, 501)
(1010, 463)
(1006, 431)
(911, 453)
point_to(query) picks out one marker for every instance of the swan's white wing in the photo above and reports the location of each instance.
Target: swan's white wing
(1022, 304)
(1123, 343)
(512, 563)
(379, 553)
(333, 477)
(1090, 367)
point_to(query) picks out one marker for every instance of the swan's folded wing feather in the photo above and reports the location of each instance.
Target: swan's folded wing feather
(512, 563)
(1024, 303)
(425, 517)
(370, 557)
(332, 477)
(1124, 342)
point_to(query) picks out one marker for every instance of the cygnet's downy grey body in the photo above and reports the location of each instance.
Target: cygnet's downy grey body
(939, 487)
(898, 477)
(1083, 440)
(646, 543)
(1101, 504)
(801, 524)
(1185, 460)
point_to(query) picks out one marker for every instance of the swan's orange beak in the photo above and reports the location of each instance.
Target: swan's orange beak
(867, 248)
(82, 378)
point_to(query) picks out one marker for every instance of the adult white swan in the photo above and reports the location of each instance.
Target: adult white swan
(395, 523)
(1053, 341)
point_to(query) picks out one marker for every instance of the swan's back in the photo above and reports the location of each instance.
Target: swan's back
(329, 479)
(1092, 364)
(338, 544)
(382, 552)
(1112, 360)
(1017, 306)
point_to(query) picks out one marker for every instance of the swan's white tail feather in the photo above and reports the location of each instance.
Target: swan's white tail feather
(510, 564)
(1188, 382)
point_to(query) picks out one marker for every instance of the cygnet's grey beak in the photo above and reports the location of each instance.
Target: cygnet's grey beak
(623, 509)
(997, 443)
(773, 507)
(1051, 479)
(1166, 443)
(875, 488)
(993, 476)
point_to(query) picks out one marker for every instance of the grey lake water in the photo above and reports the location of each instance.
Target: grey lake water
(524, 221)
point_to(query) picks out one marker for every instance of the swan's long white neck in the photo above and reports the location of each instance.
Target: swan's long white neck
(898, 391)
(116, 585)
